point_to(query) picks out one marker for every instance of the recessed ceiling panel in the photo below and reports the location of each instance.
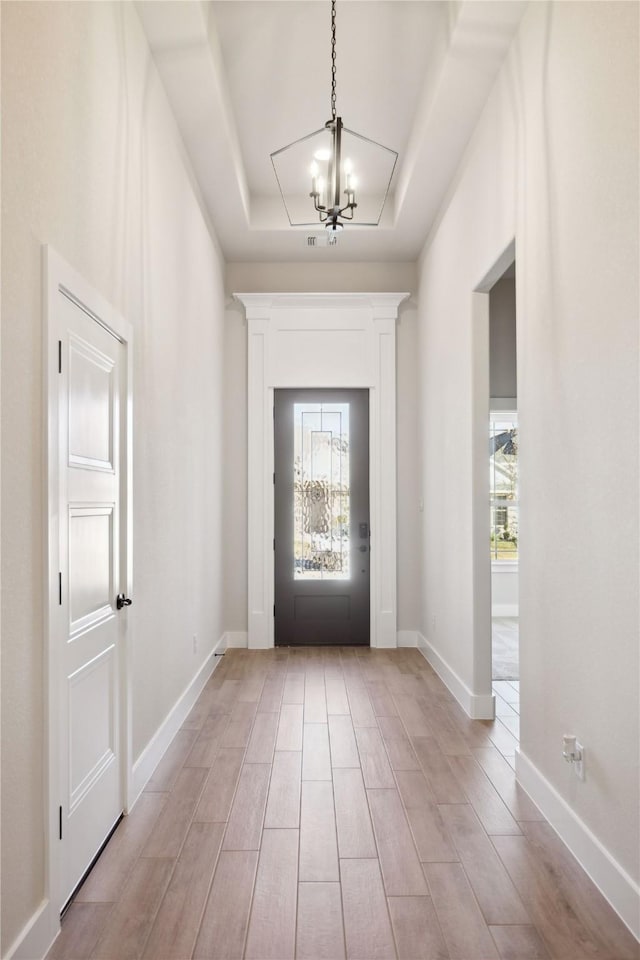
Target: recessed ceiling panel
(247, 77)
(277, 61)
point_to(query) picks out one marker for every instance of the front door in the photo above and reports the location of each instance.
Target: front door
(92, 418)
(322, 551)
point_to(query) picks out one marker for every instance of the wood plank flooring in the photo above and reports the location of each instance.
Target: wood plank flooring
(336, 803)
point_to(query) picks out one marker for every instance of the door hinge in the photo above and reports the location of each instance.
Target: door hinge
(274, 478)
(274, 543)
(59, 356)
(274, 609)
(60, 589)
(60, 823)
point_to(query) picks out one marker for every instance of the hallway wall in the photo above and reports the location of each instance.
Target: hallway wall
(503, 381)
(322, 278)
(93, 165)
(554, 163)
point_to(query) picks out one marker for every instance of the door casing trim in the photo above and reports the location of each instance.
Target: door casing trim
(321, 340)
(59, 277)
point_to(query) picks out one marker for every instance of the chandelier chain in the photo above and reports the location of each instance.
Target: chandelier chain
(333, 59)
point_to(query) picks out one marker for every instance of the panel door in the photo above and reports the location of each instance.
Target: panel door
(91, 413)
(322, 537)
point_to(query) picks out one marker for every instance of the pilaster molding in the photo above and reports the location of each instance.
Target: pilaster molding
(359, 328)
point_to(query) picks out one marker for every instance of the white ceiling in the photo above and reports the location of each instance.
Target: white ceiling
(246, 77)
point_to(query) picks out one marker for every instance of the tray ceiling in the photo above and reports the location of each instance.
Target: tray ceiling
(245, 77)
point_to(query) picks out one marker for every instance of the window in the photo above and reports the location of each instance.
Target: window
(503, 484)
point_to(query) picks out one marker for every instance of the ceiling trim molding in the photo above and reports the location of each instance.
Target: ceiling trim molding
(260, 304)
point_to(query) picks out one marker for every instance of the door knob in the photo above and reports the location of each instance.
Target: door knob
(122, 601)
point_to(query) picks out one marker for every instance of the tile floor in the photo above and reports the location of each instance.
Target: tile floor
(331, 803)
(507, 694)
(505, 651)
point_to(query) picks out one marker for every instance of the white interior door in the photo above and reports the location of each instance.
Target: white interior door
(91, 422)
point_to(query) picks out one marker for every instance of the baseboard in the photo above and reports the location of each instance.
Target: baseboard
(157, 746)
(505, 610)
(612, 880)
(35, 939)
(387, 641)
(477, 706)
(236, 639)
(407, 638)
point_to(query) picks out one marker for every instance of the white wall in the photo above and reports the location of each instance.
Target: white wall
(319, 278)
(553, 162)
(503, 380)
(92, 165)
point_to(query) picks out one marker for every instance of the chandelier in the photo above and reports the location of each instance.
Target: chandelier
(328, 161)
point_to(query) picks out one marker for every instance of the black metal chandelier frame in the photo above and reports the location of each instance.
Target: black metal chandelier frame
(333, 212)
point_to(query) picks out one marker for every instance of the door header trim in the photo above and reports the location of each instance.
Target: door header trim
(262, 304)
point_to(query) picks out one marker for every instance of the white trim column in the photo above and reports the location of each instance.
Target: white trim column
(383, 479)
(321, 340)
(259, 486)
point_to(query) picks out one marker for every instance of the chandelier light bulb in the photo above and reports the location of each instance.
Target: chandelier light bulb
(314, 169)
(349, 179)
(323, 155)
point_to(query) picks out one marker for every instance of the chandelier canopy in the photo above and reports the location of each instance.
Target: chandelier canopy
(333, 162)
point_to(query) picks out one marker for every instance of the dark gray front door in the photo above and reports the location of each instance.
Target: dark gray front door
(321, 517)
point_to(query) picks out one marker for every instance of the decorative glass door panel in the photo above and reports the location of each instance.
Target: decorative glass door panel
(322, 546)
(321, 500)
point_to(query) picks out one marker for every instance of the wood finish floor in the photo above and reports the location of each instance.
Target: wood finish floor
(332, 803)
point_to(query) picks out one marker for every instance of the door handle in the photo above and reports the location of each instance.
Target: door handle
(122, 601)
